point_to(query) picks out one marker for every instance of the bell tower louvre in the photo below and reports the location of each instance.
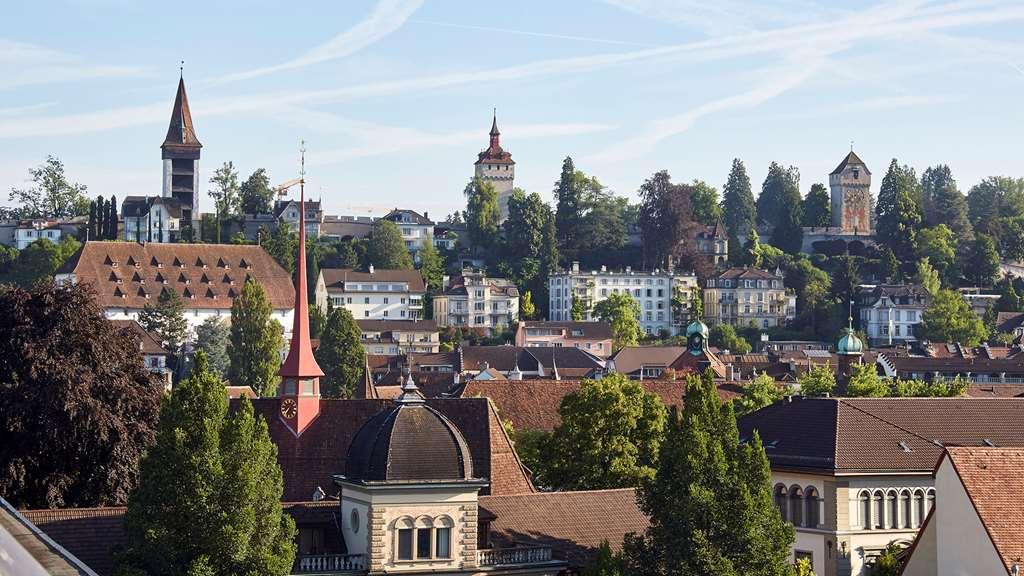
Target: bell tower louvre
(300, 374)
(180, 152)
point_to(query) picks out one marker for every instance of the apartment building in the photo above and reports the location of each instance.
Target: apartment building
(372, 295)
(394, 337)
(417, 229)
(594, 337)
(748, 296)
(663, 296)
(474, 300)
(888, 313)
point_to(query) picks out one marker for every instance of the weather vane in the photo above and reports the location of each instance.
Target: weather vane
(181, 69)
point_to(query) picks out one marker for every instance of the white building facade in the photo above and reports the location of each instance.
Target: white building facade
(417, 229)
(372, 295)
(889, 313)
(474, 300)
(151, 219)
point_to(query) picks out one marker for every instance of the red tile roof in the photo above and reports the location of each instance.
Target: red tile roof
(147, 342)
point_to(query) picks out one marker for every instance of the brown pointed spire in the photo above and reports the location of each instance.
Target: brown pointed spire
(495, 135)
(180, 132)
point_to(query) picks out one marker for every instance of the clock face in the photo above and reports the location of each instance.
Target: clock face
(288, 408)
(695, 343)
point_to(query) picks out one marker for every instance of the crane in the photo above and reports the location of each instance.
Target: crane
(282, 189)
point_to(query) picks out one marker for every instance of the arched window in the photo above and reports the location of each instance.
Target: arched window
(905, 507)
(812, 518)
(796, 505)
(424, 540)
(443, 537)
(918, 508)
(404, 536)
(780, 500)
(892, 508)
(865, 510)
(931, 501)
(877, 510)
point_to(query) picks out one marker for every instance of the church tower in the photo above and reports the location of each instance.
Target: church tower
(180, 153)
(495, 165)
(851, 196)
(300, 374)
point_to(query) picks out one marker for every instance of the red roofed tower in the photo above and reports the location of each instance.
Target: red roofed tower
(180, 152)
(495, 165)
(300, 374)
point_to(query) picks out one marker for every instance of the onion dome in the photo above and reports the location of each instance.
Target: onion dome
(409, 443)
(697, 327)
(849, 344)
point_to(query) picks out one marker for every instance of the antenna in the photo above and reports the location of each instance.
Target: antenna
(851, 144)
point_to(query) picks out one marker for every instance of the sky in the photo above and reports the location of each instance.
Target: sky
(394, 97)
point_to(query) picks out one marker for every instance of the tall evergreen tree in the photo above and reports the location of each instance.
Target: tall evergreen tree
(112, 219)
(983, 261)
(166, 321)
(387, 248)
(710, 504)
(770, 198)
(341, 355)
(943, 203)
(738, 208)
(256, 341)
(212, 337)
(994, 199)
(100, 231)
(751, 255)
(568, 209)
(899, 214)
(209, 497)
(784, 186)
(817, 207)
(91, 226)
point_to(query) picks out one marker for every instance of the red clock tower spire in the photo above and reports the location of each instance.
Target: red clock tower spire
(300, 374)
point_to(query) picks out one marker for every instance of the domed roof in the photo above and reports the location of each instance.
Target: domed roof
(697, 327)
(849, 344)
(409, 442)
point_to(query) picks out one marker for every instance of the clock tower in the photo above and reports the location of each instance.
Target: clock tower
(851, 196)
(300, 374)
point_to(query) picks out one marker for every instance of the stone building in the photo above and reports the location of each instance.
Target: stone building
(495, 165)
(748, 296)
(180, 152)
(851, 205)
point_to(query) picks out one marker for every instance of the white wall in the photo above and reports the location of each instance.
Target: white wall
(963, 545)
(196, 316)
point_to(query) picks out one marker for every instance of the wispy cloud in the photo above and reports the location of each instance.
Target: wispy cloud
(23, 110)
(387, 16)
(24, 64)
(533, 33)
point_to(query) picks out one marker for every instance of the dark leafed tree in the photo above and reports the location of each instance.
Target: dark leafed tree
(255, 194)
(99, 232)
(942, 202)
(770, 197)
(783, 185)
(282, 244)
(482, 214)
(166, 321)
(77, 407)
(710, 503)
(387, 248)
(845, 278)
(666, 221)
(256, 341)
(568, 209)
(982, 265)
(112, 219)
(817, 207)
(224, 194)
(91, 226)
(706, 208)
(738, 208)
(51, 195)
(994, 199)
(341, 355)
(898, 211)
(209, 495)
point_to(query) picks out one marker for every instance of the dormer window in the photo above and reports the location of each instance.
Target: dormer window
(179, 263)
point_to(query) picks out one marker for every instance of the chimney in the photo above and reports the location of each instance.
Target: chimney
(575, 266)
(371, 268)
(629, 269)
(604, 268)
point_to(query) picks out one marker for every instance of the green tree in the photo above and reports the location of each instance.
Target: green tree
(738, 208)
(166, 321)
(898, 211)
(606, 563)
(431, 265)
(224, 193)
(255, 195)
(992, 200)
(943, 203)
(387, 248)
(524, 246)
(888, 562)
(51, 195)
(865, 383)
(845, 279)
(802, 567)
(666, 220)
(282, 244)
(40, 260)
(1009, 299)
(212, 337)
(210, 490)
(724, 336)
(568, 209)
(937, 244)
(710, 503)
(890, 267)
(706, 208)
(78, 408)
(818, 381)
(983, 261)
(779, 206)
(950, 319)
(482, 213)
(578, 312)
(927, 276)
(751, 255)
(622, 312)
(817, 207)
(112, 220)
(526, 307)
(813, 301)
(341, 355)
(609, 436)
(256, 341)
(758, 393)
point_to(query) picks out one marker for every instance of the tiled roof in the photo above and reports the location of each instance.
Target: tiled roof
(397, 325)
(1009, 321)
(345, 229)
(901, 434)
(995, 390)
(147, 342)
(417, 218)
(631, 358)
(747, 274)
(336, 277)
(592, 330)
(310, 460)
(93, 535)
(21, 543)
(136, 206)
(570, 360)
(975, 365)
(180, 131)
(533, 404)
(851, 159)
(574, 524)
(994, 480)
(204, 275)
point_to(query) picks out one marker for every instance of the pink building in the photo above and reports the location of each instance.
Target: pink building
(593, 337)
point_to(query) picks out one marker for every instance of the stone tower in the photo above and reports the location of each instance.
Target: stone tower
(180, 153)
(496, 166)
(851, 196)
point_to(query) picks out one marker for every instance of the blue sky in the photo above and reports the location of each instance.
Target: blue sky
(394, 97)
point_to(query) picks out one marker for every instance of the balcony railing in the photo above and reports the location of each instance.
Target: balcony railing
(318, 563)
(513, 556)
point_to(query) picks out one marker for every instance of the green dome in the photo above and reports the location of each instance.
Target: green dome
(849, 344)
(697, 327)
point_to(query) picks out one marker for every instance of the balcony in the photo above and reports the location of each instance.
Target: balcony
(332, 563)
(514, 556)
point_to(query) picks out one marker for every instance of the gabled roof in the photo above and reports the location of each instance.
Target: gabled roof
(419, 219)
(27, 550)
(1009, 321)
(148, 343)
(571, 361)
(747, 274)
(879, 434)
(93, 535)
(994, 481)
(631, 358)
(851, 159)
(337, 277)
(180, 132)
(136, 206)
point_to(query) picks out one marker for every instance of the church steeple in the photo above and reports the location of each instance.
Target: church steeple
(181, 133)
(495, 134)
(300, 374)
(180, 153)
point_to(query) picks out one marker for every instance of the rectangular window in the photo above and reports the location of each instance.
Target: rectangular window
(405, 544)
(289, 387)
(423, 543)
(385, 299)
(366, 300)
(307, 387)
(443, 537)
(385, 313)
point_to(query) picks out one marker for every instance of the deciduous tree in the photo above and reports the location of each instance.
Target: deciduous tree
(527, 309)
(212, 338)
(818, 381)
(256, 341)
(817, 207)
(706, 208)
(482, 214)
(166, 321)
(898, 210)
(758, 393)
(51, 195)
(387, 248)
(724, 336)
(943, 203)
(224, 193)
(623, 313)
(255, 195)
(950, 319)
